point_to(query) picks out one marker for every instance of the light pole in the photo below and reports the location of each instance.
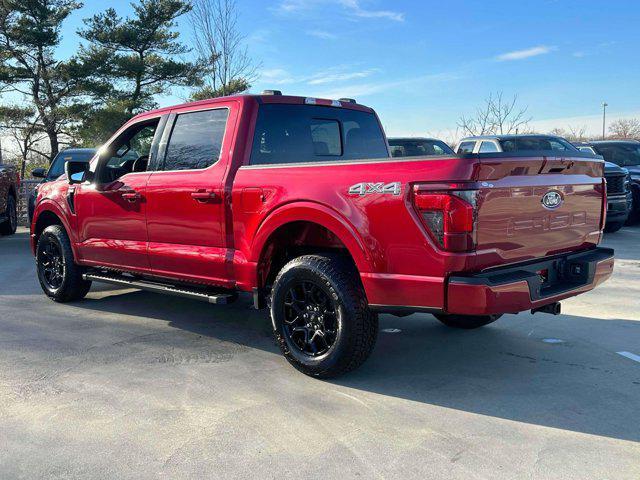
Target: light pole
(604, 117)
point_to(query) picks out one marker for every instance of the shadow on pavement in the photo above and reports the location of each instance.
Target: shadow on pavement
(497, 370)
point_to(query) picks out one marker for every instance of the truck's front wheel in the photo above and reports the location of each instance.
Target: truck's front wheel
(467, 322)
(60, 278)
(320, 315)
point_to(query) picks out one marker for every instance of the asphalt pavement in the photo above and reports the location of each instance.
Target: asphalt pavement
(135, 385)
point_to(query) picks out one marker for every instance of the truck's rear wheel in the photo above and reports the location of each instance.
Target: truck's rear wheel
(60, 278)
(467, 322)
(320, 315)
(9, 226)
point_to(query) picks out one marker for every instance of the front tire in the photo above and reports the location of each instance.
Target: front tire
(467, 322)
(10, 225)
(59, 276)
(320, 316)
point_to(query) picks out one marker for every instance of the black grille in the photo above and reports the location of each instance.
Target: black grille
(615, 184)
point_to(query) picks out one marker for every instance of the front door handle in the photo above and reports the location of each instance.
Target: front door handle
(131, 196)
(203, 195)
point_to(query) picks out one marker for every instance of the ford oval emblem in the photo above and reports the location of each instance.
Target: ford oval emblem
(552, 199)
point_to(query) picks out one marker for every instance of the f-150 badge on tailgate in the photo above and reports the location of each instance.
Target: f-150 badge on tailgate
(366, 188)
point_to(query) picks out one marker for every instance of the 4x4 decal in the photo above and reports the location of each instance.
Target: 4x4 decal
(366, 188)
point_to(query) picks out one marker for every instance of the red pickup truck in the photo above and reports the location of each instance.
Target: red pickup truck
(298, 201)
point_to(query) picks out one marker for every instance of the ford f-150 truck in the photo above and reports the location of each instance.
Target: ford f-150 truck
(9, 186)
(298, 201)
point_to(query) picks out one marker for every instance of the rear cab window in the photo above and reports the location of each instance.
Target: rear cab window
(312, 133)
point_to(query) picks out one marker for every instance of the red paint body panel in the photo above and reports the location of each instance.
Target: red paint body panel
(221, 241)
(511, 297)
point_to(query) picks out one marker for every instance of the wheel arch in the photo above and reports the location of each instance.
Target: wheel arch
(49, 213)
(309, 228)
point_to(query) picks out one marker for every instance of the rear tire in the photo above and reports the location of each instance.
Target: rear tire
(613, 227)
(320, 316)
(59, 276)
(10, 225)
(467, 322)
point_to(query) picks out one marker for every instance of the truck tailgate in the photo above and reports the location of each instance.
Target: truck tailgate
(531, 207)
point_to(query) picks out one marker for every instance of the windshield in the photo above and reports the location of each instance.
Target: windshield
(622, 154)
(418, 148)
(519, 144)
(57, 167)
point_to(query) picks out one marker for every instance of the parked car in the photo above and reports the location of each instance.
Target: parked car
(298, 201)
(56, 169)
(514, 143)
(618, 197)
(626, 154)
(9, 188)
(416, 147)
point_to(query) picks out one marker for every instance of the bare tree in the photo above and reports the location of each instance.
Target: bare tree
(572, 133)
(497, 116)
(625, 128)
(480, 123)
(577, 133)
(220, 47)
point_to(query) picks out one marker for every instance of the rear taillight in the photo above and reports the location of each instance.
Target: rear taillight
(449, 216)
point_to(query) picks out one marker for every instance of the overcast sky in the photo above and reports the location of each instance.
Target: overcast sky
(421, 64)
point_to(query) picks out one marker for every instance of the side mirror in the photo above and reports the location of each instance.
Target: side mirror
(39, 173)
(76, 171)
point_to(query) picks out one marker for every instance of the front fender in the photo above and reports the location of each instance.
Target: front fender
(51, 205)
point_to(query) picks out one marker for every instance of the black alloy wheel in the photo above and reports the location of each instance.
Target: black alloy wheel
(310, 318)
(51, 264)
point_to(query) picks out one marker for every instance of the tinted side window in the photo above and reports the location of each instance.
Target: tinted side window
(129, 152)
(196, 140)
(314, 133)
(466, 147)
(488, 147)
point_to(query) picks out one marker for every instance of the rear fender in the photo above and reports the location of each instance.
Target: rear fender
(319, 214)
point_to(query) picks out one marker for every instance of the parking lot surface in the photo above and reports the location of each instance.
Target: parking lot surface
(128, 384)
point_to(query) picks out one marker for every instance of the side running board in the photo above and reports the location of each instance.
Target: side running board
(218, 298)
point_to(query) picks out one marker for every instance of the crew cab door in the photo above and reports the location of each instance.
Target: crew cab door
(111, 210)
(185, 197)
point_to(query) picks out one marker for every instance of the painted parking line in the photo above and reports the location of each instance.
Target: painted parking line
(632, 356)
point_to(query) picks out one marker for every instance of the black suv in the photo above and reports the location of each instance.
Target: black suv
(57, 169)
(626, 154)
(619, 199)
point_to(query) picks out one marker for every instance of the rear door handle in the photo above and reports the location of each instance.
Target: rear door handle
(203, 195)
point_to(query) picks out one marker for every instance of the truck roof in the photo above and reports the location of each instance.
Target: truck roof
(265, 99)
